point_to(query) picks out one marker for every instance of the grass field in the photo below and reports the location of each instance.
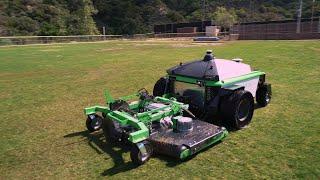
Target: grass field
(44, 88)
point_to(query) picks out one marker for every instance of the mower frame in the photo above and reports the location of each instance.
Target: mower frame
(142, 120)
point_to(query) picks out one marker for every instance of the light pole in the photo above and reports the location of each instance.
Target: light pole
(312, 11)
(299, 17)
(203, 13)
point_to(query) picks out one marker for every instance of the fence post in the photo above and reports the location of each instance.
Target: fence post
(104, 32)
(319, 25)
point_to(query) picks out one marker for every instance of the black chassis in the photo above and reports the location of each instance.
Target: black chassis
(213, 97)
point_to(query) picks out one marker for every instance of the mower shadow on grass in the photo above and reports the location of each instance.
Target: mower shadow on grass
(96, 141)
(257, 106)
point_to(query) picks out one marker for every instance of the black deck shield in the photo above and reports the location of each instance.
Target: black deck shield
(171, 143)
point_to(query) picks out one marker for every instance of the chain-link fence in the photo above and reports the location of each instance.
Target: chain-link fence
(278, 30)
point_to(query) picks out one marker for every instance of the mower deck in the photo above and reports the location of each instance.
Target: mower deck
(184, 144)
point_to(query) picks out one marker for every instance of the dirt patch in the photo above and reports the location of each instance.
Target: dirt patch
(5, 95)
(146, 44)
(185, 45)
(315, 49)
(8, 76)
(55, 46)
(49, 50)
(108, 49)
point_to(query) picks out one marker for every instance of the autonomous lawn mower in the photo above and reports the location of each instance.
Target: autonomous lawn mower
(188, 111)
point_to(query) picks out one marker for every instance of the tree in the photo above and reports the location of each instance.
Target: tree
(89, 26)
(81, 21)
(195, 16)
(175, 16)
(78, 17)
(225, 18)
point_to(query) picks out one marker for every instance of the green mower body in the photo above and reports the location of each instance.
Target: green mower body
(188, 111)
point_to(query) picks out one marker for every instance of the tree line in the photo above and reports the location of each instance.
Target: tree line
(79, 17)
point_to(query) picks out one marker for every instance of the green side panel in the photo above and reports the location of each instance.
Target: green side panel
(186, 79)
(234, 80)
(95, 109)
(186, 153)
(226, 82)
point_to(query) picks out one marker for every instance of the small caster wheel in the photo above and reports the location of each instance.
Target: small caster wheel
(141, 152)
(94, 122)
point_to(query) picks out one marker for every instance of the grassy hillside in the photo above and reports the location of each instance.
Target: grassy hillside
(43, 90)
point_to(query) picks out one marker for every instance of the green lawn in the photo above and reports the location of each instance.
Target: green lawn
(43, 90)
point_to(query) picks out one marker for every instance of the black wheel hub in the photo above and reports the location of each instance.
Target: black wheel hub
(267, 97)
(96, 123)
(243, 109)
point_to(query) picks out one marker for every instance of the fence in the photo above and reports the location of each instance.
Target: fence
(277, 30)
(176, 35)
(285, 29)
(244, 31)
(22, 40)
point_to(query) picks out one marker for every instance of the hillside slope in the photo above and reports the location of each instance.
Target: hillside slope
(72, 17)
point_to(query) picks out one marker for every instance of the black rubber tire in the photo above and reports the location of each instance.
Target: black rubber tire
(263, 95)
(94, 124)
(136, 155)
(111, 131)
(237, 109)
(160, 87)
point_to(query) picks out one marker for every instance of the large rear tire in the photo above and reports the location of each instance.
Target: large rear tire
(237, 109)
(160, 87)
